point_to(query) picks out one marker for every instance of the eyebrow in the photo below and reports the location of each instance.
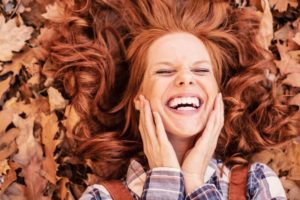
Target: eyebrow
(173, 64)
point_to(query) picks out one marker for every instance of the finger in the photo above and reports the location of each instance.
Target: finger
(160, 130)
(149, 123)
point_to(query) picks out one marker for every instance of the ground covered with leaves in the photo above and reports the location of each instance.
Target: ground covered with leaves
(36, 121)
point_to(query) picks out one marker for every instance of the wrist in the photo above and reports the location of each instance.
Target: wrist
(192, 183)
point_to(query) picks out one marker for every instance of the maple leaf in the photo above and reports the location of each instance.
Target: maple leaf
(282, 5)
(12, 37)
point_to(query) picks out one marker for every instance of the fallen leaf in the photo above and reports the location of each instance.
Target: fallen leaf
(292, 80)
(14, 192)
(282, 5)
(56, 100)
(27, 144)
(72, 118)
(291, 189)
(15, 40)
(295, 100)
(8, 179)
(50, 128)
(8, 144)
(297, 38)
(4, 167)
(4, 85)
(35, 183)
(55, 12)
(265, 34)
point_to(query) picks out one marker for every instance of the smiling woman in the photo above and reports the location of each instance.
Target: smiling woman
(151, 78)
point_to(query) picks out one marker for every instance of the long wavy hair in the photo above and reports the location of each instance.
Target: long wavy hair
(100, 61)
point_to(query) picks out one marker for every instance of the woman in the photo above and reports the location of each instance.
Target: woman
(149, 77)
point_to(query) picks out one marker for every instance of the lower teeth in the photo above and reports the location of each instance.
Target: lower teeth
(186, 108)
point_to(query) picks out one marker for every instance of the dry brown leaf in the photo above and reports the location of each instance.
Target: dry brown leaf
(72, 118)
(282, 5)
(293, 80)
(63, 190)
(297, 38)
(8, 143)
(25, 59)
(50, 128)
(9, 178)
(4, 167)
(295, 100)
(291, 189)
(35, 183)
(284, 33)
(14, 192)
(56, 100)
(55, 12)
(4, 85)
(27, 144)
(15, 40)
(265, 34)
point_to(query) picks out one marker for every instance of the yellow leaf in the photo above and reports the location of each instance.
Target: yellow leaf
(12, 37)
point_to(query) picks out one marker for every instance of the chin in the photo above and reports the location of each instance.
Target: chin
(184, 132)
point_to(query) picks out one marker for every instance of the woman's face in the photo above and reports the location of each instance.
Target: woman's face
(179, 83)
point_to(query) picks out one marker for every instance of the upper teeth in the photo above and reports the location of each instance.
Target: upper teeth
(194, 101)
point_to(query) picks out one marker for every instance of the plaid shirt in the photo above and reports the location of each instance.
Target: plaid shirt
(167, 183)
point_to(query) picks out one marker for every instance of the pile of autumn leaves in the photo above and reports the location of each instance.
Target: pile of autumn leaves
(36, 122)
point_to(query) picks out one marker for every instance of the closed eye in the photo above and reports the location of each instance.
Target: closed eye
(200, 70)
(165, 71)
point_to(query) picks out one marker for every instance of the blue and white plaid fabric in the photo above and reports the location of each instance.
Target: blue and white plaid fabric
(167, 183)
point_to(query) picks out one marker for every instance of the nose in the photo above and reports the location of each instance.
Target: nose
(184, 78)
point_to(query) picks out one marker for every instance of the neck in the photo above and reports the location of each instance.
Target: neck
(181, 146)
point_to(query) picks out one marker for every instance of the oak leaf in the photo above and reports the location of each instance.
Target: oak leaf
(55, 12)
(293, 80)
(12, 37)
(282, 5)
(8, 144)
(50, 128)
(35, 183)
(27, 144)
(56, 100)
(265, 34)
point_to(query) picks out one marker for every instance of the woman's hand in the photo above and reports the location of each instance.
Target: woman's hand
(197, 159)
(157, 148)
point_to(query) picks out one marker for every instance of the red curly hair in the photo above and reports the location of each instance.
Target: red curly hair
(100, 61)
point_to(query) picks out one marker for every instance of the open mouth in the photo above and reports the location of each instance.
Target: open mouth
(185, 103)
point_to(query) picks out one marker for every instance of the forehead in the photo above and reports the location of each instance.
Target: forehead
(177, 48)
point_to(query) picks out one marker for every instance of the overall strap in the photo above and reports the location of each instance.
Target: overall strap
(238, 182)
(117, 190)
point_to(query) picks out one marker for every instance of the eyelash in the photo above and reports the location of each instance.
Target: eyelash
(166, 71)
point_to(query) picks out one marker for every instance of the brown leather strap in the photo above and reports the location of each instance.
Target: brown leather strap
(117, 190)
(238, 183)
